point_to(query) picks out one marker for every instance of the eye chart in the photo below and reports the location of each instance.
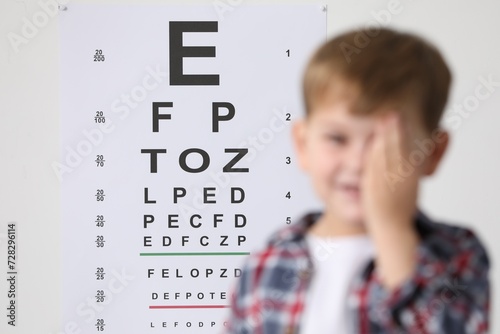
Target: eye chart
(176, 158)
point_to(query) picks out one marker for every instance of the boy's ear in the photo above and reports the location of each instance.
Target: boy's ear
(437, 154)
(299, 141)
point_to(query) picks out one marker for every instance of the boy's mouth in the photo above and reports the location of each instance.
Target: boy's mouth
(350, 190)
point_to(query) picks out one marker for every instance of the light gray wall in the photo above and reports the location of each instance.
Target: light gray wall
(464, 190)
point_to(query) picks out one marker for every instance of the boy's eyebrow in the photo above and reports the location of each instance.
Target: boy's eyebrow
(333, 124)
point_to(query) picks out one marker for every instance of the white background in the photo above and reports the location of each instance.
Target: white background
(464, 190)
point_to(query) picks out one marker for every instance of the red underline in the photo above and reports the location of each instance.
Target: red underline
(186, 306)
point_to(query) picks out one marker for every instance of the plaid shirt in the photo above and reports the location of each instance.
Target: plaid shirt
(448, 293)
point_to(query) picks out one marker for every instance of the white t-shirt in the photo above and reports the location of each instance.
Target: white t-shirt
(336, 260)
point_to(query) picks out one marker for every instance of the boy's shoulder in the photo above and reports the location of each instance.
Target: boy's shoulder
(447, 239)
(276, 264)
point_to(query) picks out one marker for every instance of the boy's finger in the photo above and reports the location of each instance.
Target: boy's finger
(395, 139)
(380, 153)
(386, 140)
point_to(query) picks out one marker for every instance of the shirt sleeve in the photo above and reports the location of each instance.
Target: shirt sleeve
(233, 317)
(235, 321)
(449, 292)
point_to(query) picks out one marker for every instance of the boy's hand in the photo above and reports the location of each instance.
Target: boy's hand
(389, 200)
(388, 197)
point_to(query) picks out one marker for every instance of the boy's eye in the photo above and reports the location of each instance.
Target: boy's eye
(337, 138)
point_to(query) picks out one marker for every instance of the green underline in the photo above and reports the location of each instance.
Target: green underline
(195, 254)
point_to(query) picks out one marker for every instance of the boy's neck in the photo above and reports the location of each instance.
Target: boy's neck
(329, 225)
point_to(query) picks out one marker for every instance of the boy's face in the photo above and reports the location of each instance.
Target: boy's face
(332, 146)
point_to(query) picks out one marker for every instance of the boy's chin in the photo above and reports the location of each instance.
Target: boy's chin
(351, 214)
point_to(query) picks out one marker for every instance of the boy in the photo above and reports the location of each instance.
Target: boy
(371, 261)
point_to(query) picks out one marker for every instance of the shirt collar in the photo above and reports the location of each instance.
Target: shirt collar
(297, 230)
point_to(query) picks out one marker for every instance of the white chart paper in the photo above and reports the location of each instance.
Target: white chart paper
(177, 159)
